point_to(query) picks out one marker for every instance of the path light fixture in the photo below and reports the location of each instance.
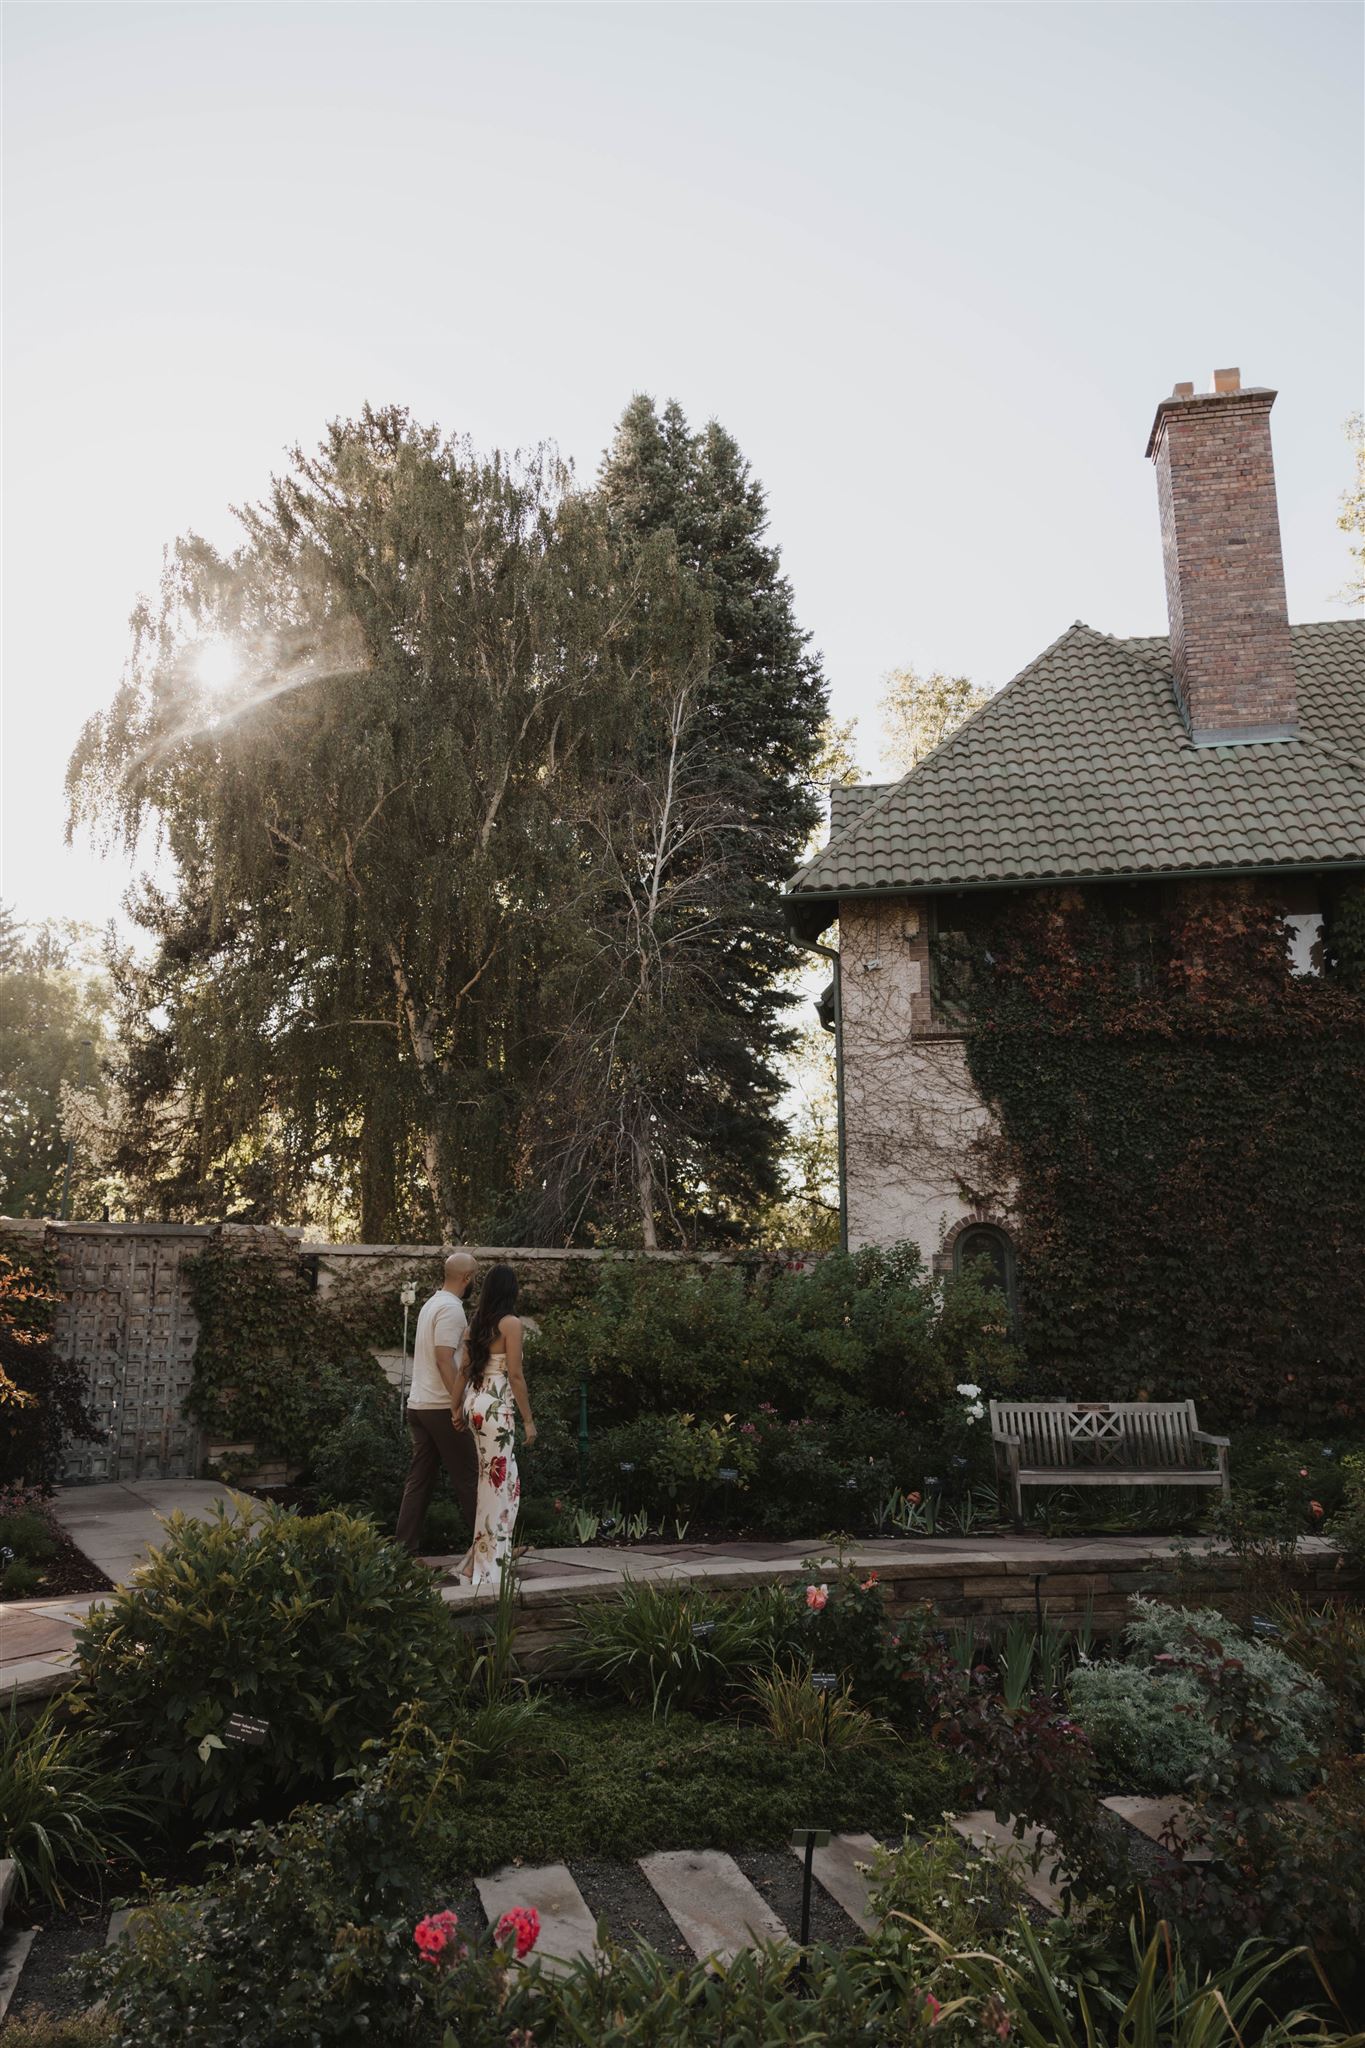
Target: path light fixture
(627, 1469)
(407, 1294)
(807, 1841)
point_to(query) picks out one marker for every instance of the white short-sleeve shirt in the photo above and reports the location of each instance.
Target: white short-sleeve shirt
(441, 1321)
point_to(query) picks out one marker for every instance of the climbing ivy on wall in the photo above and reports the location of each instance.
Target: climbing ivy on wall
(273, 1366)
(1182, 1119)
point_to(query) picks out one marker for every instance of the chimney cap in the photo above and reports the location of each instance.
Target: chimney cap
(1188, 402)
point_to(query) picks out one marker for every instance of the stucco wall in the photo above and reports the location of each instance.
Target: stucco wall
(912, 1116)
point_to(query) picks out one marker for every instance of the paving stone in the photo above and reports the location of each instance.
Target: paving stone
(1164, 1821)
(712, 1903)
(997, 1838)
(836, 1868)
(32, 1635)
(567, 1928)
(14, 1948)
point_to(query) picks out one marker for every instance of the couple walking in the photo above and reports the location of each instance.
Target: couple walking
(467, 1386)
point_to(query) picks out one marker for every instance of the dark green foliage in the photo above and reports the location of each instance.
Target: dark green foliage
(873, 1328)
(43, 1400)
(362, 1459)
(313, 1624)
(1183, 1121)
(761, 711)
(596, 1783)
(273, 1365)
(65, 1810)
(663, 1645)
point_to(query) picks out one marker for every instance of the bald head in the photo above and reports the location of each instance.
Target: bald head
(460, 1270)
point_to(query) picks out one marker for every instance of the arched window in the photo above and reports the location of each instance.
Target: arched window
(987, 1242)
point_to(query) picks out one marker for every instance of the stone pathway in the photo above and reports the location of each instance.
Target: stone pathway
(567, 1928)
(711, 1902)
(716, 1909)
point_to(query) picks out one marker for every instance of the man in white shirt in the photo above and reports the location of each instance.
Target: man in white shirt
(435, 1422)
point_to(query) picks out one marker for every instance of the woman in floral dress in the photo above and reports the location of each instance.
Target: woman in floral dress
(494, 1389)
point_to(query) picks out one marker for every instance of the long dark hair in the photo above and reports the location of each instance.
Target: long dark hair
(497, 1298)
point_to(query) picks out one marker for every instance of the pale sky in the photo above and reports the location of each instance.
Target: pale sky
(933, 265)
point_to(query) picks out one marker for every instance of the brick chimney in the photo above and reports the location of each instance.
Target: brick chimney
(1220, 534)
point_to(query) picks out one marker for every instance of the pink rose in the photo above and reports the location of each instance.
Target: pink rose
(868, 1583)
(523, 1923)
(914, 1499)
(817, 1598)
(1316, 1510)
(1303, 1471)
(933, 2007)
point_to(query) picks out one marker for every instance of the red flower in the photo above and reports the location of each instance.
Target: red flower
(434, 1934)
(477, 1419)
(523, 1922)
(933, 2007)
(497, 1471)
(914, 1499)
(1316, 1510)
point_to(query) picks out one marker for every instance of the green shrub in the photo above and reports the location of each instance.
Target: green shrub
(1294, 1707)
(597, 1783)
(27, 1543)
(874, 1327)
(44, 1400)
(827, 1722)
(1147, 1730)
(313, 1624)
(1348, 1524)
(302, 1933)
(362, 1460)
(63, 1809)
(666, 1644)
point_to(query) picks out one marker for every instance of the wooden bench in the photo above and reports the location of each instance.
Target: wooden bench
(1103, 1443)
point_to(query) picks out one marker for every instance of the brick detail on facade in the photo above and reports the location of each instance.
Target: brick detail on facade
(1225, 594)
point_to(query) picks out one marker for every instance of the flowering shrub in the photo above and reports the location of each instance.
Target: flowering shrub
(522, 1927)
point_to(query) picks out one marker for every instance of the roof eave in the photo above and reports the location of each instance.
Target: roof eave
(809, 899)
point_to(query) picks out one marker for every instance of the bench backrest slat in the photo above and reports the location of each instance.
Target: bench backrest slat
(1055, 1434)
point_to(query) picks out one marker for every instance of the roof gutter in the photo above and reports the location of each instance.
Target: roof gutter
(797, 900)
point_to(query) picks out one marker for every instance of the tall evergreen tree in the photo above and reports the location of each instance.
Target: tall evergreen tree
(758, 725)
(371, 824)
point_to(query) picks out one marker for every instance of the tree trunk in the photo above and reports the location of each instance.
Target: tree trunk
(645, 1182)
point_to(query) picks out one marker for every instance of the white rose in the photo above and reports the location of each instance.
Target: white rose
(976, 1411)
(968, 1391)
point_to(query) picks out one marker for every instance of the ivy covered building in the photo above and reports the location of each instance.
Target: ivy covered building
(1132, 879)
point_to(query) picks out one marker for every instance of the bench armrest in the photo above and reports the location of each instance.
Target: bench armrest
(1201, 1436)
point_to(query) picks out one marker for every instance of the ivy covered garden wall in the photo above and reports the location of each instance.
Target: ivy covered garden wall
(1181, 1117)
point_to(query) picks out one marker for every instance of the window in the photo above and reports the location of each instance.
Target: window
(986, 1242)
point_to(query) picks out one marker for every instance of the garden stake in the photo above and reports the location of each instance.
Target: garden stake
(1038, 1578)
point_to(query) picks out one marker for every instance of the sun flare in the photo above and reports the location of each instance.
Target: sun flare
(217, 663)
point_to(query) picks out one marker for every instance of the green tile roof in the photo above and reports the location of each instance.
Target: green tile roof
(1081, 768)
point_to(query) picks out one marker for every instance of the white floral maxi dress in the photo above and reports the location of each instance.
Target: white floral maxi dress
(490, 1413)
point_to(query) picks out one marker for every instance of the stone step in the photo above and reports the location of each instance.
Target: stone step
(992, 1837)
(14, 1948)
(1168, 1822)
(711, 1902)
(836, 1871)
(567, 1928)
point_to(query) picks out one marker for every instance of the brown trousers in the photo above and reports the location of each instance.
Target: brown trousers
(436, 1442)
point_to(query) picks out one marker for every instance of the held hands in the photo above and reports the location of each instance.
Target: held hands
(457, 1420)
